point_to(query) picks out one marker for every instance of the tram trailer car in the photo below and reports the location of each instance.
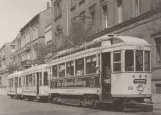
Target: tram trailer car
(111, 69)
(14, 85)
(35, 83)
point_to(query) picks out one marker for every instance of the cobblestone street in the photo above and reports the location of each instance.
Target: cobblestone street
(10, 106)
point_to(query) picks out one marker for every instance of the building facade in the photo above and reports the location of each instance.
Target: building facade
(138, 18)
(5, 61)
(30, 40)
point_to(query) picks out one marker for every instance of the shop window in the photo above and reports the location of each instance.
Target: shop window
(79, 66)
(70, 68)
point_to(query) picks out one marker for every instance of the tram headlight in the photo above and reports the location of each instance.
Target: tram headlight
(140, 87)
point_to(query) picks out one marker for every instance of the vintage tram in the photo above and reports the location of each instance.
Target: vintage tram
(14, 85)
(31, 83)
(111, 69)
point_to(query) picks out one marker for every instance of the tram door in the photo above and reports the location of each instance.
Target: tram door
(106, 76)
(37, 82)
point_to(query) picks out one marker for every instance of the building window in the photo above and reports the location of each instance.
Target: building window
(57, 9)
(137, 7)
(104, 16)
(73, 4)
(92, 11)
(158, 50)
(119, 7)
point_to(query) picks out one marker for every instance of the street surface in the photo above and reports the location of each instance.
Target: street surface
(10, 106)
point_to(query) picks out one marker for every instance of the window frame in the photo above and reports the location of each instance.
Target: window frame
(91, 62)
(76, 68)
(117, 62)
(71, 63)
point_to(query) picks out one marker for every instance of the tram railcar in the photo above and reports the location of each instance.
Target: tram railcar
(35, 83)
(111, 69)
(14, 85)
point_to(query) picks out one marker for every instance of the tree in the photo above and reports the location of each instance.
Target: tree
(12, 67)
(79, 32)
(155, 26)
(41, 53)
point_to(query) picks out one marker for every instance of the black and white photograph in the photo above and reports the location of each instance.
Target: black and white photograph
(80, 57)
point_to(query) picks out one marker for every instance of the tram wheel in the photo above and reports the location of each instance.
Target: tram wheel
(83, 102)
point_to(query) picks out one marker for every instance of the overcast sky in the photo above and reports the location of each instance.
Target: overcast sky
(14, 14)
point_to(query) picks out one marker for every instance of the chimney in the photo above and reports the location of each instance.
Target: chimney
(48, 5)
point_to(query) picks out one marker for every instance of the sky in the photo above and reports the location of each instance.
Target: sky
(14, 14)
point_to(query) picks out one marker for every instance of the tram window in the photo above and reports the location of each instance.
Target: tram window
(30, 79)
(70, 68)
(40, 75)
(24, 81)
(54, 70)
(19, 81)
(27, 80)
(91, 64)
(45, 78)
(129, 60)
(62, 70)
(147, 60)
(117, 61)
(79, 66)
(33, 79)
(139, 60)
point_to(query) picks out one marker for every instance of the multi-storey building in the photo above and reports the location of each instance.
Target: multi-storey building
(139, 18)
(5, 61)
(30, 38)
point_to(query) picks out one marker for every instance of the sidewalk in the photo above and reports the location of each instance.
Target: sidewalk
(157, 103)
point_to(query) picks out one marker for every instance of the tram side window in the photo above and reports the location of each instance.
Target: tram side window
(27, 80)
(30, 79)
(129, 60)
(91, 64)
(19, 81)
(147, 60)
(117, 61)
(33, 82)
(40, 79)
(139, 60)
(54, 70)
(62, 70)
(79, 66)
(24, 81)
(70, 68)
(45, 78)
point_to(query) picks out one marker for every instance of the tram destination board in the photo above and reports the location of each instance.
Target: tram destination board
(87, 81)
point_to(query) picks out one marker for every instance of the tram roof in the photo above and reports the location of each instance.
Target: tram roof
(123, 39)
(34, 69)
(112, 38)
(15, 74)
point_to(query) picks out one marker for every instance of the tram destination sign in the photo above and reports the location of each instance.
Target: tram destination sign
(87, 81)
(140, 81)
